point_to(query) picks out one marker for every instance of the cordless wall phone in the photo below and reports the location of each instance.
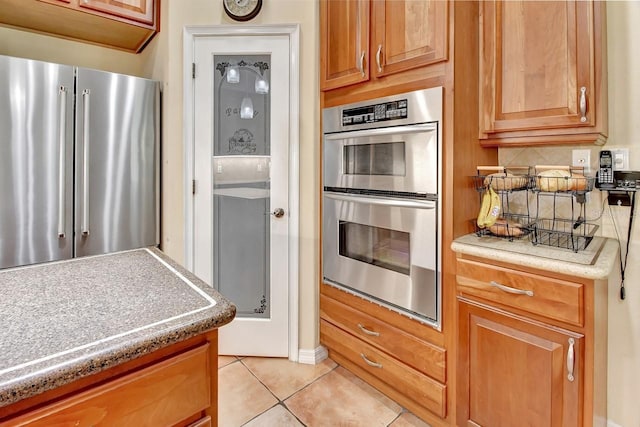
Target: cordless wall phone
(605, 171)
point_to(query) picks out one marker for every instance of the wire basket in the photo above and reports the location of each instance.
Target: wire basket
(504, 179)
(561, 179)
(508, 226)
(563, 233)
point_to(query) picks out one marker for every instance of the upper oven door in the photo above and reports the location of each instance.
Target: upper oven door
(402, 159)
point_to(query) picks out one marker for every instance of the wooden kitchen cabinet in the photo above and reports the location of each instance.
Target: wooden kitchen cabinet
(542, 72)
(513, 369)
(532, 346)
(344, 42)
(125, 25)
(446, 57)
(133, 10)
(176, 386)
(139, 10)
(399, 356)
(369, 39)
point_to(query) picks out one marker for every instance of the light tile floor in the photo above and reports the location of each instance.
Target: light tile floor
(264, 392)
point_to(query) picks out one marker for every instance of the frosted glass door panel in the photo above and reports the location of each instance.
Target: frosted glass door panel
(241, 183)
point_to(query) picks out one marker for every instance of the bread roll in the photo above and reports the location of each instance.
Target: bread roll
(577, 182)
(561, 180)
(553, 180)
(505, 181)
(506, 228)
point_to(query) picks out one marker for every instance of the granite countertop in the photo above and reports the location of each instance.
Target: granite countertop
(595, 262)
(66, 320)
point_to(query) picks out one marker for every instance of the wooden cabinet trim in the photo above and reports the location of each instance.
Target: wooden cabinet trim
(205, 422)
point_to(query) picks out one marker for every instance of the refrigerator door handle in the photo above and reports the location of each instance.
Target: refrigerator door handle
(62, 133)
(84, 225)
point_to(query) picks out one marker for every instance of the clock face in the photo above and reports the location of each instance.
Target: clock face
(242, 10)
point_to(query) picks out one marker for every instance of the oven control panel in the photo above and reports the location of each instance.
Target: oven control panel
(392, 110)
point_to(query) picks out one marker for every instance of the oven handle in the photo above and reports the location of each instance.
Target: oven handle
(383, 201)
(394, 130)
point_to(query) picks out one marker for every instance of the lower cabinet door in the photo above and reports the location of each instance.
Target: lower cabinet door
(517, 372)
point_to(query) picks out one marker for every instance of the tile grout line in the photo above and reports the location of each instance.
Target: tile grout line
(280, 402)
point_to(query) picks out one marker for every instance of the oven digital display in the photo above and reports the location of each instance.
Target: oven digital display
(376, 246)
(393, 110)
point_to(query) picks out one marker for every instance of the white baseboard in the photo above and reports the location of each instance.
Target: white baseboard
(612, 424)
(312, 357)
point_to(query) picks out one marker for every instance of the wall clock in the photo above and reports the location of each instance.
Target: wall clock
(242, 10)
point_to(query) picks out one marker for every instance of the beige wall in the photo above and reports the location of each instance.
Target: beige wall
(623, 20)
(623, 31)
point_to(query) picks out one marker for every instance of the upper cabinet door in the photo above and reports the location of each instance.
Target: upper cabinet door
(137, 10)
(540, 66)
(407, 34)
(344, 42)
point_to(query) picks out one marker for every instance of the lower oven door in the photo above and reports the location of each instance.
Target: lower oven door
(385, 249)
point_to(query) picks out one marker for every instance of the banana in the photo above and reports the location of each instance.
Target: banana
(495, 207)
(484, 208)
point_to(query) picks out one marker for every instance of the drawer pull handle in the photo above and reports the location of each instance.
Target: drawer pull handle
(570, 359)
(379, 58)
(511, 290)
(368, 332)
(583, 104)
(369, 362)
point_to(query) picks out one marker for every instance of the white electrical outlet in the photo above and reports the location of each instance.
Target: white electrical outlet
(581, 158)
(620, 159)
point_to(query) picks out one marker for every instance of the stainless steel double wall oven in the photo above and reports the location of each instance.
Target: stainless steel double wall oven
(381, 201)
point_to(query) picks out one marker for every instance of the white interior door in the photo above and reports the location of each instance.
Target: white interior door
(241, 135)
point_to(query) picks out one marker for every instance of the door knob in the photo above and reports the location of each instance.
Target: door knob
(278, 213)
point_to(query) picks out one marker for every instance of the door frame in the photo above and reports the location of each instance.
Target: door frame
(190, 34)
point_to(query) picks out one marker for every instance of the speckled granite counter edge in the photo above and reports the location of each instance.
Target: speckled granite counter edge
(116, 353)
(600, 270)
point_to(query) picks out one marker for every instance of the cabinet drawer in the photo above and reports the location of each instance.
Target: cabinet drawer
(549, 297)
(162, 394)
(418, 387)
(423, 356)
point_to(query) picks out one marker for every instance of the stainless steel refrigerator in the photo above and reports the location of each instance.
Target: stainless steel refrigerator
(79, 153)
